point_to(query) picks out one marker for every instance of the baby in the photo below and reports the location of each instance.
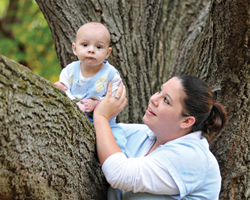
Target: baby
(87, 78)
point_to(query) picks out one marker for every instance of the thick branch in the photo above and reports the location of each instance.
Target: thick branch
(47, 145)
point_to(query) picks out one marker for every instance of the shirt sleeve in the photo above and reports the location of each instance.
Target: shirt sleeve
(65, 80)
(141, 174)
(115, 83)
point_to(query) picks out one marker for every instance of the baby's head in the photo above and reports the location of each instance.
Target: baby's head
(92, 43)
(95, 27)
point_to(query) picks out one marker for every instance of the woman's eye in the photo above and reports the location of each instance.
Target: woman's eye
(159, 91)
(99, 47)
(166, 101)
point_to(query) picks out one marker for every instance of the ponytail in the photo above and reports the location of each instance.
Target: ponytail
(210, 117)
(215, 121)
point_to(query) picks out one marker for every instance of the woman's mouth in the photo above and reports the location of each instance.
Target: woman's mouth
(150, 112)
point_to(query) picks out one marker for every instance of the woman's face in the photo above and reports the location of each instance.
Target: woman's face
(164, 113)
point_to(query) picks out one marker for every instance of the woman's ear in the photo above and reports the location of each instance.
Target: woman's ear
(187, 122)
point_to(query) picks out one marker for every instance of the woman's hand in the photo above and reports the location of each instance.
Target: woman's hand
(111, 106)
(60, 86)
(108, 108)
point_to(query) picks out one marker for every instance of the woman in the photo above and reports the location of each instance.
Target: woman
(170, 159)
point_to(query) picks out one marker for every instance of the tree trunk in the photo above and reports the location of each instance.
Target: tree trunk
(180, 20)
(151, 40)
(131, 25)
(221, 58)
(47, 145)
(140, 32)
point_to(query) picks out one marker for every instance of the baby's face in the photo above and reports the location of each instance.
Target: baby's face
(92, 44)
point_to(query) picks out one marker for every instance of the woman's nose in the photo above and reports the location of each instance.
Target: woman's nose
(155, 99)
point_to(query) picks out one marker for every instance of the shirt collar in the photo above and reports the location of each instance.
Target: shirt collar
(194, 135)
(151, 134)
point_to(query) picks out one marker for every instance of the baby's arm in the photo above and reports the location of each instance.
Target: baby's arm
(65, 80)
(115, 83)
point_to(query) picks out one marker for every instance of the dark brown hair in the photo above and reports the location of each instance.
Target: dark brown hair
(210, 116)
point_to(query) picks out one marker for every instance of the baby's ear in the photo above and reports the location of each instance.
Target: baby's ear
(108, 52)
(74, 48)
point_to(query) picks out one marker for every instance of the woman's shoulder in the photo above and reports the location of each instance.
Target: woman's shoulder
(191, 142)
(190, 163)
(189, 148)
(190, 154)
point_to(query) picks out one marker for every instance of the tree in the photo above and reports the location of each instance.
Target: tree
(47, 145)
(221, 57)
(153, 40)
(140, 31)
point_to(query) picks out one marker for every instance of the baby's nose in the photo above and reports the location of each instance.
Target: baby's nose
(91, 50)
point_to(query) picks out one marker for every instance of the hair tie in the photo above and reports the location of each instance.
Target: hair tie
(212, 108)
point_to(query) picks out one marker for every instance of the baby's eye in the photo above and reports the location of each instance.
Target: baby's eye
(159, 91)
(99, 47)
(84, 45)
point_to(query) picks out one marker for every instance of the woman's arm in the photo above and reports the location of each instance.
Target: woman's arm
(140, 174)
(107, 109)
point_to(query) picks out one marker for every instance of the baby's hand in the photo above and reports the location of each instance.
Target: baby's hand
(81, 106)
(60, 86)
(89, 104)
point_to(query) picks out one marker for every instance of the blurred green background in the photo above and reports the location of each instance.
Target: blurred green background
(25, 37)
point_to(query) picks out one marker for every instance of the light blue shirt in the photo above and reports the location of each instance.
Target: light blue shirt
(188, 160)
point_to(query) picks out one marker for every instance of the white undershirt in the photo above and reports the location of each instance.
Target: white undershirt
(143, 174)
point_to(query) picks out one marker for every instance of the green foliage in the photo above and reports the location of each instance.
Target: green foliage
(27, 38)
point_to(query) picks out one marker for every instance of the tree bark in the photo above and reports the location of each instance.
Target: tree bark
(47, 145)
(131, 25)
(144, 39)
(180, 21)
(151, 40)
(221, 58)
